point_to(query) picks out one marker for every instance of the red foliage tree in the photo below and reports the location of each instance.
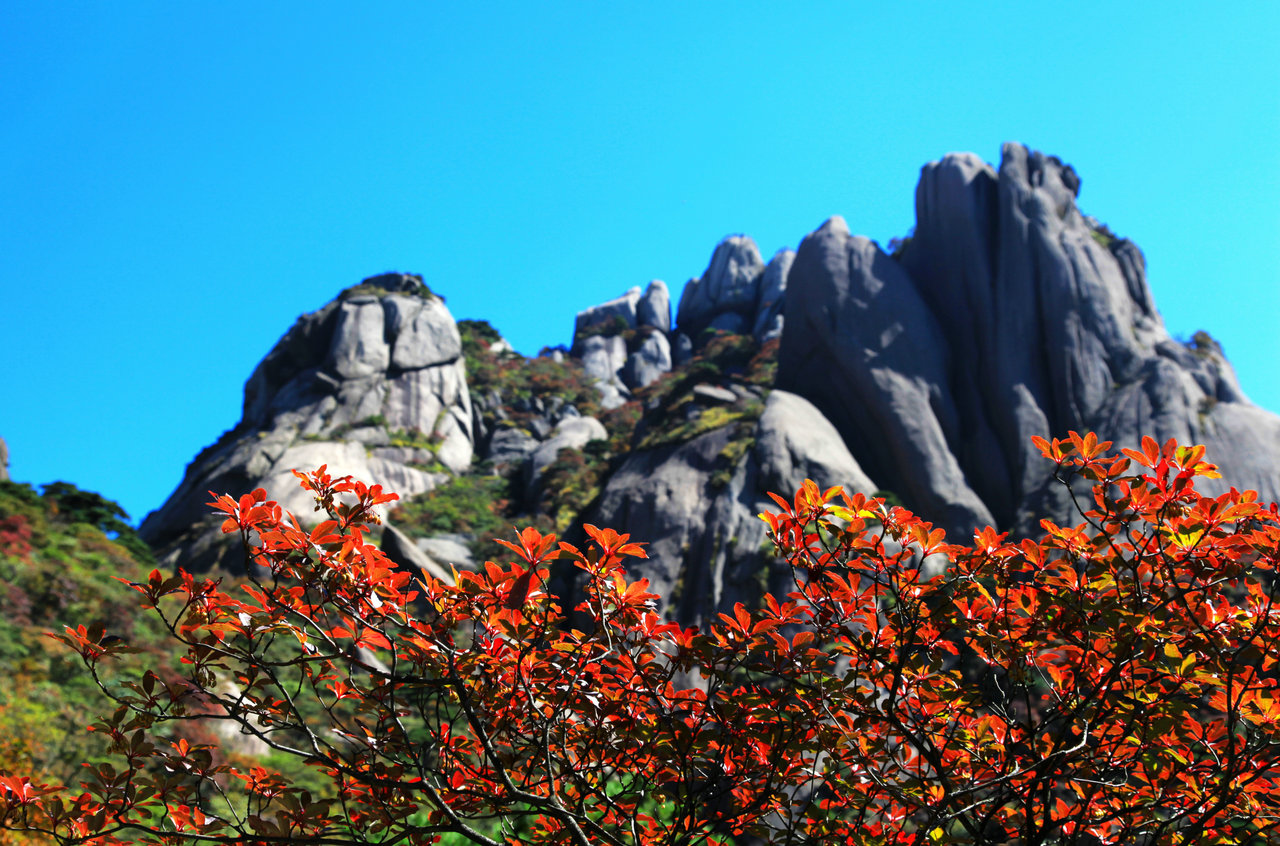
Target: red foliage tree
(1113, 682)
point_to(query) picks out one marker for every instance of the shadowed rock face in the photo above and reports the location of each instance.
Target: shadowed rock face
(1008, 314)
(863, 345)
(373, 385)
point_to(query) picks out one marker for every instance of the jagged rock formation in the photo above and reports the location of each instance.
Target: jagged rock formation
(737, 293)
(769, 301)
(4, 461)
(1007, 314)
(373, 384)
(623, 343)
(856, 342)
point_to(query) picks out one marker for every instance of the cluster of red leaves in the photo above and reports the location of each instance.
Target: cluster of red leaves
(15, 537)
(1114, 682)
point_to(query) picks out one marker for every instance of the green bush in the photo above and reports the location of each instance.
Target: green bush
(61, 557)
(374, 290)
(1105, 237)
(468, 504)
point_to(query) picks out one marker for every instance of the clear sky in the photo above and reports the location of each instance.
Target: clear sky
(179, 181)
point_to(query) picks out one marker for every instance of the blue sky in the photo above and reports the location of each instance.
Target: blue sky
(178, 182)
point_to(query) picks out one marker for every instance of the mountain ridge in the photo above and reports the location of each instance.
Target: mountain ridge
(923, 372)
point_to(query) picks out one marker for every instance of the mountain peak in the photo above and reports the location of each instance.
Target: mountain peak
(920, 375)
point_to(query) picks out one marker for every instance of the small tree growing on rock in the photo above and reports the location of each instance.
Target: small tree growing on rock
(1112, 682)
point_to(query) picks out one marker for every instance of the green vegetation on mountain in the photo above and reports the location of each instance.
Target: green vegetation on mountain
(510, 388)
(512, 391)
(674, 414)
(62, 553)
(380, 286)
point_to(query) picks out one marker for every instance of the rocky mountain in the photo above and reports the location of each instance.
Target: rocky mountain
(372, 384)
(919, 373)
(1007, 314)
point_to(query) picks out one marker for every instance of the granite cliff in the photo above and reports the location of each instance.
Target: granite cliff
(921, 373)
(372, 384)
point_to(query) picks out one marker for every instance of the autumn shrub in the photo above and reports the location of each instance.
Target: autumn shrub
(1112, 682)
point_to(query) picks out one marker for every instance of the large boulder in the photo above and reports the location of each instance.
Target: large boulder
(695, 504)
(794, 442)
(373, 385)
(861, 343)
(654, 308)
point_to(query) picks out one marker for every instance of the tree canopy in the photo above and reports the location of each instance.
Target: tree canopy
(1114, 681)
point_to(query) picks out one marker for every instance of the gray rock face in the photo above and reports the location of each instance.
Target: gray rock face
(4, 461)
(424, 331)
(1009, 314)
(654, 308)
(603, 357)
(619, 313)
(707, 548)
(681, 349)
(359, 345)
(795, 442)
(647, 364)
(731, 322)
(773, 286)
(863, 346)
(730, 285)
(384, 358)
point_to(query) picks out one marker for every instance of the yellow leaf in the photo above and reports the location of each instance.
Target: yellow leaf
(1186, 540)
